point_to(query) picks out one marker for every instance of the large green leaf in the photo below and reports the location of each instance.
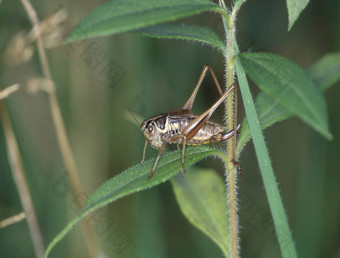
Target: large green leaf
(187, 32)
(119, 16)
(295, 7)
(289, 85)
(325, 73)
(279, 217)
(201, 196)
(135, 179)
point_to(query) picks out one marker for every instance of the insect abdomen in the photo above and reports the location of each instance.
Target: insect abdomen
(210, 131)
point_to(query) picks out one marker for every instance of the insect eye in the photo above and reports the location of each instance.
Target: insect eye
(150, 128)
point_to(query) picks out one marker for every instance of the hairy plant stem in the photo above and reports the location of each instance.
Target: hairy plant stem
(231, 171)
(90, 238)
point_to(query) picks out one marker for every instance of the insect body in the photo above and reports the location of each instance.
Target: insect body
(168, 127)
(184, 127)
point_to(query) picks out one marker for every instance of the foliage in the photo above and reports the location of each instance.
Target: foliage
(287, 90)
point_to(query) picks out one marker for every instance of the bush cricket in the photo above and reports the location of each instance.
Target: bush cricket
(184, 127)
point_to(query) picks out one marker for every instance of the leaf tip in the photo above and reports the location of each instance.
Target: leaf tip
(290, 25)
(291, 22)
(76, 34)
(329, 136)
(294, 10)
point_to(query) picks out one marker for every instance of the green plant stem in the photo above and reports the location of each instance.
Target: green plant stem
(230, 172)
(232, 202)
(231, 118)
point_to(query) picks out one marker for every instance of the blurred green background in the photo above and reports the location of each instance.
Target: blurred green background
(99, 79)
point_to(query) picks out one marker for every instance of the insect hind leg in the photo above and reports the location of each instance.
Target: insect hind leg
(239, 168)
(190, 101)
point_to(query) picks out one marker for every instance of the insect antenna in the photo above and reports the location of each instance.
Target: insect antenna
(128, 109)
(133, 116)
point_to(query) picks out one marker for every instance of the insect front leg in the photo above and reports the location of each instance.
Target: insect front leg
(161, 149)
(144, 151)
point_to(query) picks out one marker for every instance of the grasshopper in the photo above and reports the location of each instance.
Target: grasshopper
(184, 127)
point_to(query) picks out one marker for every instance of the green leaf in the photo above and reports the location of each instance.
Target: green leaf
(295, 7)
(279, 217)
(326, 72)
(269, 112)
(237, 5)
(187, 32)
(135, 179)
(289, 85)
(201, 196)
(119, 16)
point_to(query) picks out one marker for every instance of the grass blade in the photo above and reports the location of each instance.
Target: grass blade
(279, 217)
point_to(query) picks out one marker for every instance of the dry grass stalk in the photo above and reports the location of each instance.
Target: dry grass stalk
(5, 93)
(12, 220)
(18, 173)
(90, 238)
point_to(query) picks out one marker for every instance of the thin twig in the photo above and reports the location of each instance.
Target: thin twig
(12, 220)
(9, 90)
(18, 173)
(90, 238)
